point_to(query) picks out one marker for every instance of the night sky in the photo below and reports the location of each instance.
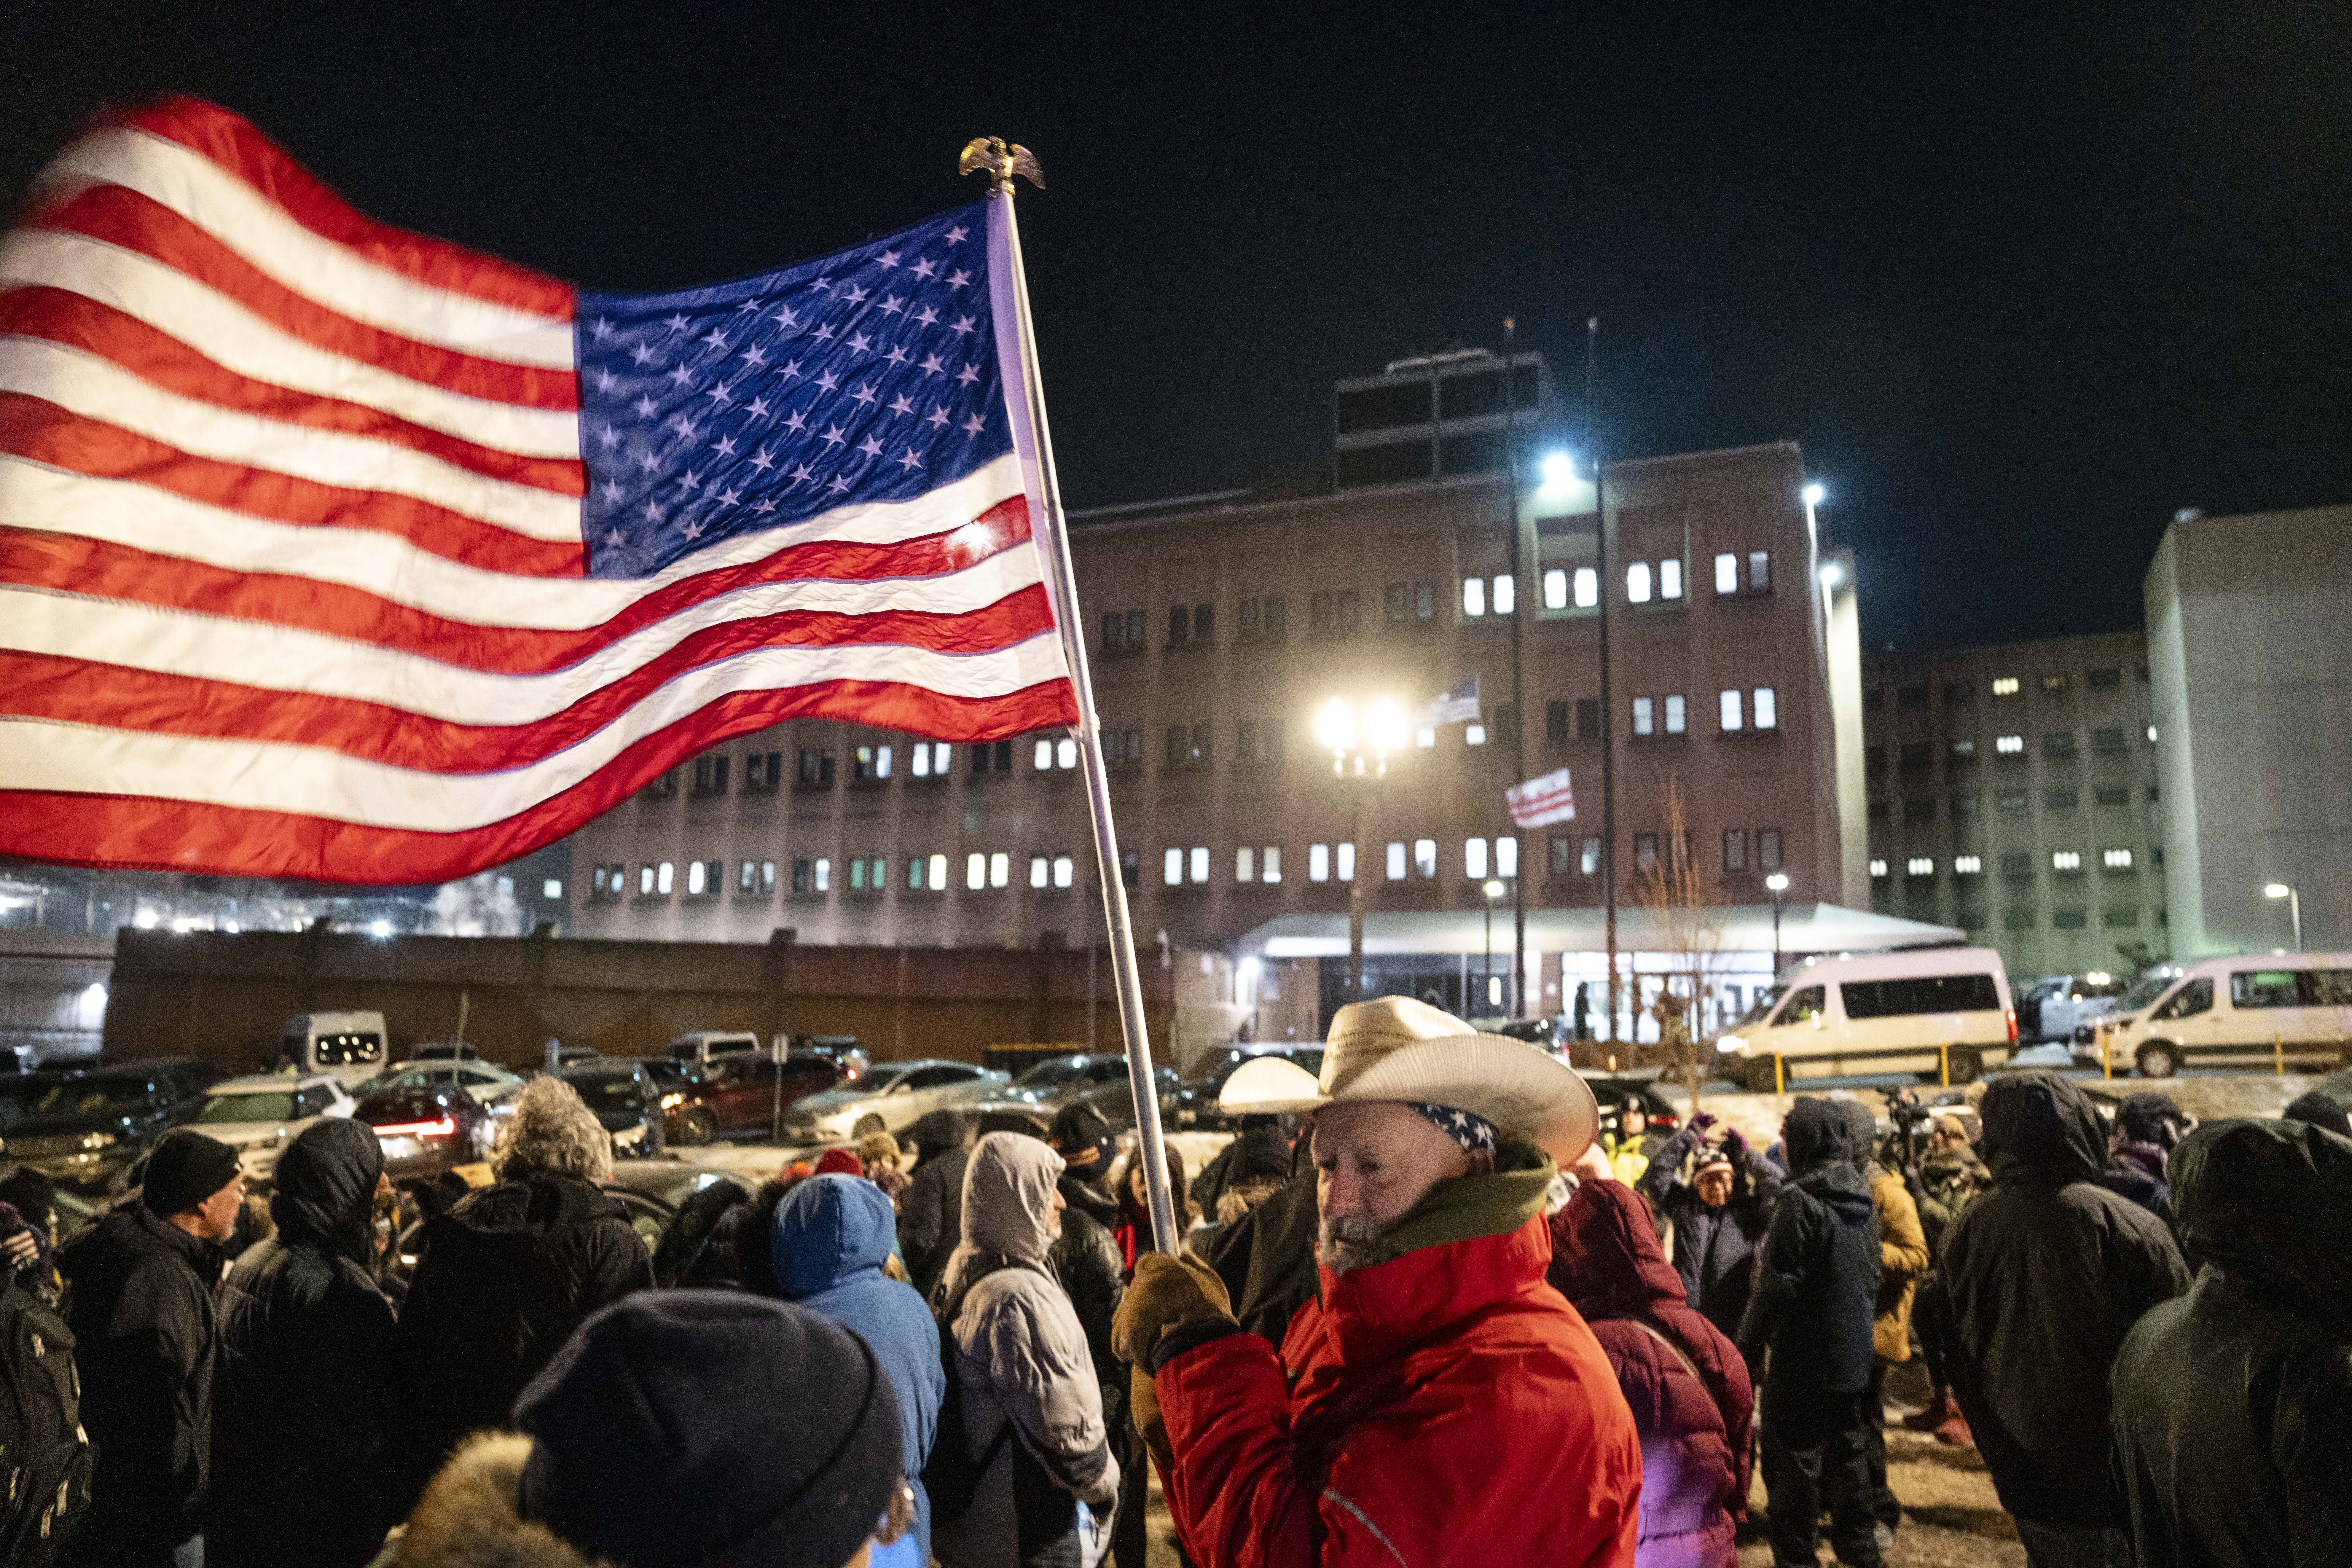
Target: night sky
(2022, 286)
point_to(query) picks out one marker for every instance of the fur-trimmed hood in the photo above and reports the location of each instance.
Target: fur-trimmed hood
(467, 1518)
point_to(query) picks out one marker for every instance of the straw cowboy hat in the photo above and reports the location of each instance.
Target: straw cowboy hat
(1398, 1048)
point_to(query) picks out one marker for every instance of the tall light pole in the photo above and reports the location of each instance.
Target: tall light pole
(1360, 761)
(1779, 882)
(2294, 897)
(1493, 889)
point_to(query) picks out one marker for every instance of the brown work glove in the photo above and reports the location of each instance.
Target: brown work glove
(1165, 1292)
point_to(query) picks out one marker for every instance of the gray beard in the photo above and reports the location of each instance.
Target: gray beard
(1349, 1242)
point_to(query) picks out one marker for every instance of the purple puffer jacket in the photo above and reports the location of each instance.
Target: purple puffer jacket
(1684, 1380)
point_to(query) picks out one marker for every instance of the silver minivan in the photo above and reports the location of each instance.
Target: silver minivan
(2271, 1010)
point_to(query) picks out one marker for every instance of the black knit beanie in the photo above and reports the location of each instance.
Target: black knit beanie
(34, 1195)
(679, 1429)
(185, 1169)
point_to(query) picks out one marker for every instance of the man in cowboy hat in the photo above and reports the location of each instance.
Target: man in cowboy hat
(1438, 1403)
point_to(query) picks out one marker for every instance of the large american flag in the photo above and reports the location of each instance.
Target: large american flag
(328, 550)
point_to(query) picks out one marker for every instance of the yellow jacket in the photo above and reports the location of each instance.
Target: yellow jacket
(1901, 1258)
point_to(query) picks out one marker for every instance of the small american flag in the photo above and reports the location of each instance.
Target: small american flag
(333, 551)
(1457, 707)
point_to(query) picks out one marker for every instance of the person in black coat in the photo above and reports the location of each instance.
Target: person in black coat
(931, 1211)
(1814, 1306)
(1719, 1213)
(2042, 1277)
(506, 1274)
(2233, 1402)
(141, 1308)
(1256, 1160)
(303, 1394)
(1086, 1257)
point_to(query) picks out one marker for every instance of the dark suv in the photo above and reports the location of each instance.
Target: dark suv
(734, 1095)
(85, 1128)
(625, 1100)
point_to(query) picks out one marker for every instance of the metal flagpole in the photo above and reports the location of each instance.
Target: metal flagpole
(1000, 160)
(1518, 697)
(1608, 711)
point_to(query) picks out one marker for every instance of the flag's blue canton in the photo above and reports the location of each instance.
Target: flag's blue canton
(867, 375)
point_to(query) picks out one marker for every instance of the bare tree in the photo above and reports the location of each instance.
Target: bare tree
(1683, 907)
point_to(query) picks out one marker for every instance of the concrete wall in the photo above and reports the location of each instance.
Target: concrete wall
(223, 996)
(53, 991)
(2249, 632)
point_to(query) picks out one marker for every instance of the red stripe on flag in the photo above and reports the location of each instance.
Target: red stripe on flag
(122, 217)
(178, 835)
(36, 686)
(35, 428)
(87, 566)
(82, 322)
(236, 145)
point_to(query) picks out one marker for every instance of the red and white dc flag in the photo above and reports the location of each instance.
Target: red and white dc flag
(1540, 801)
(333, 551)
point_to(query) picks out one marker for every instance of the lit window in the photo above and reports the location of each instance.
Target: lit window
(1474, 734)
(914, 873)
(1347, 862)
(1473, 860)
(1644, 721)
(747, 877)
(2004, 685)
(1065, 870)
(1000, 870)
(2008, 745)
(1396, 862)
(1473, 595)
(694, 879)
(1424, 856)
(882, 762)
(1670, 579)
(938, 873)
(1588, 587)
(1726, 572)
(552, 888)
(1731, 708)
(1269, 864)
(1506, 857)
(2066, 860)
(922, 759)
(975, 871)
(1678, 714)
(1768, 707)
(1244, 864)
(823, 875)
(1637, 582)
(1919, 866)
(1425, 737)
(1065, 753)
(1319, 862)
(1878, 867)
(1759, 570)
(1045, 756)
(1201, 863)
(1555, 588)
(858, 876)
(1040, 867)
(1967, 865)
(2151, 734)
(1506, 594)
(767, 875)
(662, 880)
(2116, 859)
(1172, 869)
(1587, 856)
(645, 879)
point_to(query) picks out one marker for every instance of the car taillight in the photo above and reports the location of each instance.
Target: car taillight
(2012, 1025)
(1664, 1119)
(441, 1129)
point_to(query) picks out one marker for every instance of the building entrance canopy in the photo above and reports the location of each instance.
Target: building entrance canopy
(1730, 928)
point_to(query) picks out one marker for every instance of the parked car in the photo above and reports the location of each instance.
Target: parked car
(890, 1097)
(2255, 1010)
(1110, 1094)
(2054, 1006)
(738, 1096)
(19, 1092)
(85, 1129)
(493, 1085)
(445, 1051)
(427, 1129)
(1057, 1080)
(1640, 1096)
(352, 1045)
(626, 1101)
(701, 1046)
(255, 1116)
(1930, 1011)
(1193, 1105)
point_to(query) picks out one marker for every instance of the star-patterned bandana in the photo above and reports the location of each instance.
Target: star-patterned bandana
(1474, 1132)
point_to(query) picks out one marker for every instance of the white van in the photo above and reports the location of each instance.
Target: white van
(1941, 1012)
(701, 1046)
(2262, 1011)
(350, 1046)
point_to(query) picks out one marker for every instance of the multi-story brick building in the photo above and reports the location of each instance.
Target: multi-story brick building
(1218, 629)
(2013, 795)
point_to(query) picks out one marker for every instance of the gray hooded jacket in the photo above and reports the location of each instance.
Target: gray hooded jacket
(1021, 1357)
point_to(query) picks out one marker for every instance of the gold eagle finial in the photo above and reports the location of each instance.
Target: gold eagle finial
(1000, 160)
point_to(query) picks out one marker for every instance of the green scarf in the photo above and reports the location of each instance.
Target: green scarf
(1460, 1207)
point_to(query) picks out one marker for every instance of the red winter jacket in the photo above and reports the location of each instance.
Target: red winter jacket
(1445, 1407)
(1690, 1402)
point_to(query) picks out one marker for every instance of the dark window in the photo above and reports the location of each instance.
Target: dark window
(2062, 799)
(710, 775)
(2067, 919)
(1911, 696)
(1916, 755)
(1759, 570)
(763, 773)
(1556, 722)
(1877, 811)
(1923, 993)
(1964, 807)
(1560, 855)
(1204, 623)
(2101, 680)
(2115, 915)
(1958, 691)
(2192, 999)
(816, 767)
(991, 758)
(1200, 743)
(1383, 408)
(662, 785)
(1767, 848)
(2017, 920)
(2013, 800)
(2058, 743)
(1588, 717)
(800, 876)
(1805, 1004)
(1385, 465)
(2109, 743)
(2114, 794)
(1130, 747)
(1123, 632)
(1734, 849)
(1918, 811)
(1130, 867)
(2017, 863)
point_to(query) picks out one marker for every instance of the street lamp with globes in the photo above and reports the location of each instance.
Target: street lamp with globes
(2294, 897)
(1779, 882)
(1360, 745)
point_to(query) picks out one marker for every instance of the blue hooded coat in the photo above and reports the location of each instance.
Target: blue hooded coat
(831, 1236)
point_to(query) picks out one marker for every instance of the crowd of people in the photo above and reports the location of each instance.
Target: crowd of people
(1420, 1316)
